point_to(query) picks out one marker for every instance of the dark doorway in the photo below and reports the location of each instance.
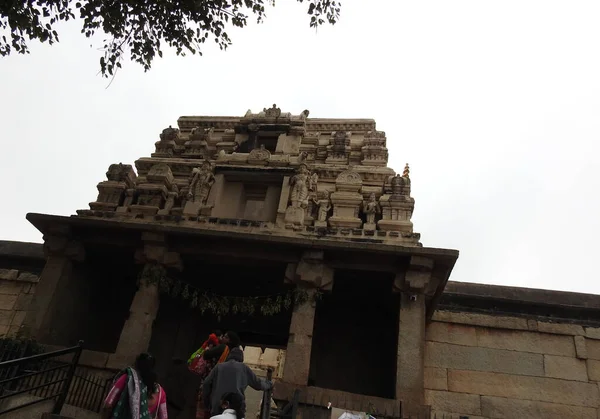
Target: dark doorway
(179, 329)
(355, 337)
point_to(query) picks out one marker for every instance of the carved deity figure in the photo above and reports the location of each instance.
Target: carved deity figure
(371, 209)
(202, 180)
(302, 182)
(323, 207)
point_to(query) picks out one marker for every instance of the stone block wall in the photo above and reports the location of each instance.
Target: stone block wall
(488, 366)
(16, 292)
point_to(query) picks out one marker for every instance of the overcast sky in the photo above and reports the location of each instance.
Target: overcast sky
(495, 105)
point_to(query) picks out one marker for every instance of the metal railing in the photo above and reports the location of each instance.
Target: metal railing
(42, 377)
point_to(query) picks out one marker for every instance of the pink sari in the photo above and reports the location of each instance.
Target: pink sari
(157, 401)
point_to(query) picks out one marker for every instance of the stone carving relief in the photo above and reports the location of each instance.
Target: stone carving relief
(301, 185)
(273, 112)
(112, 192)
(374, 151)
(153, 190)
(347, 200)
(168, 142)
(397, 206)
(323, 207)
(197, 144)
(259, 156)
(202, 180)
(338, 150)
(372, 210)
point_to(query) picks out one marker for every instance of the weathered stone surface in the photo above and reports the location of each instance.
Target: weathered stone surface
(7, 302)
(411, 338)
(592, 347)
(436, 378)
(466, 404)
(451, 333)
(444, 355)
(592, 332)
(499, 407)
(565, 367)
(580, 347)
(28, 277)
(593, 369)
(516, 340)
(9, 274)
(23, 302)
(11, 287)
(561, 329)
(475, 319)
(6, 317)
(18, 318)
(524, 387)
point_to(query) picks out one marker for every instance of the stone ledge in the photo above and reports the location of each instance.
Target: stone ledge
(15, 275)
(341, 399)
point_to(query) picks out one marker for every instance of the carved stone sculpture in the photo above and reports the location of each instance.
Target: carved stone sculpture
(201, 183)
(273, 112)
(323, 208)
(111, 193)
(397, 207)
(202, 180)
(152, 191)
(371, 209)
(347, 200)
(259, 156)
(338, 150)
(374, 151)
(167, 144)
(197, 144)
(301, 185)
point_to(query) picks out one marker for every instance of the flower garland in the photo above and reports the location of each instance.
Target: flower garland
(220, 305)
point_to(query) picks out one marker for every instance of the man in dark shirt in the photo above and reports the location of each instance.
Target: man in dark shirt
(231, 376)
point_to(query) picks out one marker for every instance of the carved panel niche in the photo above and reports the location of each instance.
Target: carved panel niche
(155, 190)
(347, 200)
(397, 206)
(338, 150)
(112, 192)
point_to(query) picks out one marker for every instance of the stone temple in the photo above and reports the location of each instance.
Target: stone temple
(294, 232)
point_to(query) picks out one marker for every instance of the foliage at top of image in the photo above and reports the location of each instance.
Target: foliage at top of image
(140, 28)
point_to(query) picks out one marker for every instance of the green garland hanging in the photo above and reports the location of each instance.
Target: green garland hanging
(219, 305)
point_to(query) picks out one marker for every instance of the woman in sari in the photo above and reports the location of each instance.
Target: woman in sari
(135, 394)
(211, 355)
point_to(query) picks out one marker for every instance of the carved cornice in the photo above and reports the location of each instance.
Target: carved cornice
(187, 123)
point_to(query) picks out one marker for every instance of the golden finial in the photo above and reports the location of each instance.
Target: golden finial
(406, 171)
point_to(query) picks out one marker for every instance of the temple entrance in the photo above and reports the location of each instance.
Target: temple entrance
(180, 329)
(355, 337)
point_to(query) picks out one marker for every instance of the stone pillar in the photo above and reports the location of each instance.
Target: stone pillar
(310, 273)
(60, 253)
(411, 335)
(137, 330)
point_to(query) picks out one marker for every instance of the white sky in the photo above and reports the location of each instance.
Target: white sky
(495, 105)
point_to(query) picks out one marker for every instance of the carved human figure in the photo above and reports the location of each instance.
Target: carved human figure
(371, 209)
(202, 181)
(324, 205)
(301, 183)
